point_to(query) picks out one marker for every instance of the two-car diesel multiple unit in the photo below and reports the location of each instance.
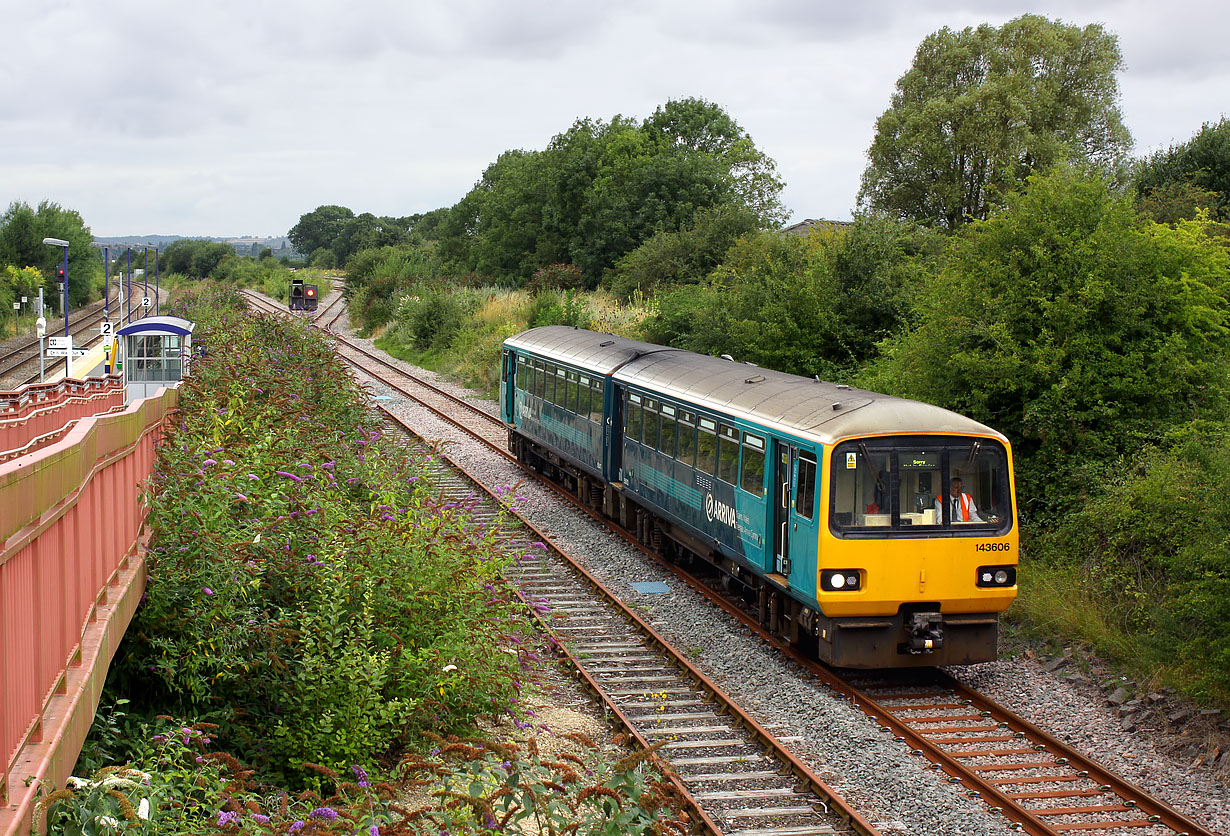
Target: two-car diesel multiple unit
(874, 531)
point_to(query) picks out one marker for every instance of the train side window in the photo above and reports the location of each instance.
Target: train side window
(706, 446)
(805, 493)
(521, 374)
(561, 388)
(548, 382)
(632, 418)
(666, 439)
(596, 403)
(583, 397)
(751, 479)
(685, 433)
(728, 455)
(570, 390)
(540, 379)
(650, 437)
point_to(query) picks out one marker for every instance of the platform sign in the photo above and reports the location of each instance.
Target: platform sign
(67, 352)
(106, 328)
(60, 343)
(147, 302)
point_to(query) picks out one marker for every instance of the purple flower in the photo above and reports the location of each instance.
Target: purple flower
(323, 813)
(289, 475)
(258, 817)
(207, 590)
(254, 476)
(208, 463)
(242, 497)
(296, 826)
(361, 775)
(229, 462)
(226, 817)
(373, 831)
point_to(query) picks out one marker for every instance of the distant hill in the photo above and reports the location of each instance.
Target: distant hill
(244, 245)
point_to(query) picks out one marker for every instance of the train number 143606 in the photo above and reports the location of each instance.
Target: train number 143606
(993, 547)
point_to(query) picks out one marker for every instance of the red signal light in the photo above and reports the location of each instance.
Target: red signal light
(311, 291)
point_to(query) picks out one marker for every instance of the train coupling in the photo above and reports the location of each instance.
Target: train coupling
(925, 631)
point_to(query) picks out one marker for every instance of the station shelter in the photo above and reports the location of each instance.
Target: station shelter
(156, 352)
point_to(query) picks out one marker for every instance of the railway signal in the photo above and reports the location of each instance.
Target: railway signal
(296, 294)
(309, 297)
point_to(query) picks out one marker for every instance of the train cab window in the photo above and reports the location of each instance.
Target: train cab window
(666, 438)
(706, 446)
(685, 433)
(649, 435)
(521, 374)
(582, 405)
(751, 479)
(905, 486)
(805, 492)
(632, 418)
(596, 402)
(728, 455)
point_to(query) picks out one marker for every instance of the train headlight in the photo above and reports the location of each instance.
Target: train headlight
(840, 580)
(996, 576)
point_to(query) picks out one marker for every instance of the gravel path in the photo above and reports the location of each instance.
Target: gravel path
(899, 793)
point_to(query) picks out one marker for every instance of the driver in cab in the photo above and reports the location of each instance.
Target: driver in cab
(961, 507)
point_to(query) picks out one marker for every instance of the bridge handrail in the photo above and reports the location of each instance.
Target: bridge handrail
(38, 408)
(70, 577)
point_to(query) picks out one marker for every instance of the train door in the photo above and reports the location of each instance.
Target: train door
(794, 515)
(783, 464)
(508, 393)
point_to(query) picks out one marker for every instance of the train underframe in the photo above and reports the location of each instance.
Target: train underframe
(918, 635)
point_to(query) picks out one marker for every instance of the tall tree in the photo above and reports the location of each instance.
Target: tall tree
(982, 109)
(1072, 327)
(22, 230)
(1196, 173)
(319, 228)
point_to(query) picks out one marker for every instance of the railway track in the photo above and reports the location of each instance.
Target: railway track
(1042, 785)
(13, 362)
(738, 778)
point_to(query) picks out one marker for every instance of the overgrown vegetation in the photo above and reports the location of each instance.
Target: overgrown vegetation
(316, 612)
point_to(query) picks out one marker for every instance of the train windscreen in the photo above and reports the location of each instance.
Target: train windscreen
(920, 485)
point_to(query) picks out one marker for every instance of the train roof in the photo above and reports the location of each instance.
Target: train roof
(825, 411)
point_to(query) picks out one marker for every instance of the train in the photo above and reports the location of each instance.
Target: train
(867, 530)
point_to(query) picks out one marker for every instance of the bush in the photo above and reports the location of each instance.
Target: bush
(558, 309)
(305, 586)
(556, 277)
(1154, 549)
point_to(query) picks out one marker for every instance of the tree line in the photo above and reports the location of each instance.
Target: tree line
(1008, 259)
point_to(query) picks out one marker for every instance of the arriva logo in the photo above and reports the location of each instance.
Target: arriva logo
(719, 511)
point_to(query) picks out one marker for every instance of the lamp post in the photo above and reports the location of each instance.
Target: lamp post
(60, 242)
(157, 292)
(145, 275)
(129, 285)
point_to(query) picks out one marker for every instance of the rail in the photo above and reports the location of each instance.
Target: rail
(71, 574)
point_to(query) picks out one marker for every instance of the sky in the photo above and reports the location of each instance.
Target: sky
(226, 118)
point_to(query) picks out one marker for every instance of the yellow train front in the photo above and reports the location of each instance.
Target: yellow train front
(869, 530)
(919, 552)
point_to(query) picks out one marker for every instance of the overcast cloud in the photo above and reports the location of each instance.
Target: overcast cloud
(234, 118)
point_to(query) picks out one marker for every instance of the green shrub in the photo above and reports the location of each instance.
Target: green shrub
(1154, 551)
(558, 309)
(306, 587)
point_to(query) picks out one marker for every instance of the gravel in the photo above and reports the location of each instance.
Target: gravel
(898, 792)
